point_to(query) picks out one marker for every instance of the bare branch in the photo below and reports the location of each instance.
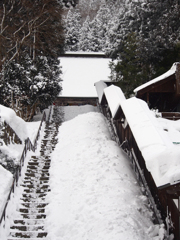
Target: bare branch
(19, 29)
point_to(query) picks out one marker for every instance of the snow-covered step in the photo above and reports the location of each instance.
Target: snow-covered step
(32, 210)
(36, 190)
(28, 222)
(34, 205)
(33, 200)
(34, 175)
(31, 234)
(27, 178)
(33, 216)
(34, 185)
(17, 238)
(27, 228)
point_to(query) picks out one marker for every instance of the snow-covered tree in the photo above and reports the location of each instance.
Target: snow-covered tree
(69, 3)
(73, 26)
(30, 83)
(84, 39)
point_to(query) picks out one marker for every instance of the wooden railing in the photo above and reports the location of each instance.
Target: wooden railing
(136, 167)
(27, 147)
(9, 135)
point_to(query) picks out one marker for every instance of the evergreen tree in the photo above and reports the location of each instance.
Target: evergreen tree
(73, 26)
(84, 38)
(128, 71)
(103, 16)
(94, 36)
(28, 84)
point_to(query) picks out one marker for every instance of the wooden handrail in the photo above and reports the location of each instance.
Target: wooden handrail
(28, 146)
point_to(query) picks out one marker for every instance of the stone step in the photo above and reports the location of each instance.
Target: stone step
(39, 168)
(24, 228)
(39, 165)
(29, 234)
(35, 175)
(28, 222)
(35, 183)
(33, 163)
(36, 186)
(33, 200)
(17, 238)
(39, 171)
(32, 216)
(37, 190)
(32, 210)
(27, 178)
(34, 196)
(40, 159)
(35, 205)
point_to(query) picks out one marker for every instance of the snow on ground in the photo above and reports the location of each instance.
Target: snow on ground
(80, 74)
(69, 112)
(94, 194)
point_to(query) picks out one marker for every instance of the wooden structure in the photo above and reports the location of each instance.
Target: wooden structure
(166, 197)
(84, 54)
(70, 101)
(163, 92)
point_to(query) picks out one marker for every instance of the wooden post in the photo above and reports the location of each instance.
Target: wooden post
(147, 100)
(179, 215)
(177, 75)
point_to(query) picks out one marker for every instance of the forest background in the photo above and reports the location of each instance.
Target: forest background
(143, 36)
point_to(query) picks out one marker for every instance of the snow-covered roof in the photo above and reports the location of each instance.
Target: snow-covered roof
(100, 86)
(80, 74)
(159, 152)
(158, 79)
(115, 97)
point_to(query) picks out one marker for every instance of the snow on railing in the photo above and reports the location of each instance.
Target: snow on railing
(131, 154)
(141, 178)
(28, 146)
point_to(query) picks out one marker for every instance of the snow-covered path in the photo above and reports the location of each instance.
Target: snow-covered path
(94, 193)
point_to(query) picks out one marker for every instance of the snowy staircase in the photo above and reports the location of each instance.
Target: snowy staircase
(30, 216)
